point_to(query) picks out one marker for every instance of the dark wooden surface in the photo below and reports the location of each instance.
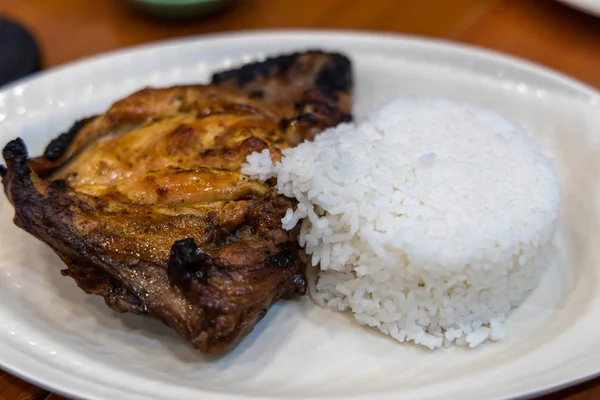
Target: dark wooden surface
(543, 31)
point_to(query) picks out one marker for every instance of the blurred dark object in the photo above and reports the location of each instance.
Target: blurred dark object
(19, 52)
(180, 9)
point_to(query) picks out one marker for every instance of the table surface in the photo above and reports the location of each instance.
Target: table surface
(543, 31)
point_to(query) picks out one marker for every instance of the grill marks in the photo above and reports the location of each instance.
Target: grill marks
(253, 71)
(187, 262)
(59, 146)
(146, 206)
(335, 77)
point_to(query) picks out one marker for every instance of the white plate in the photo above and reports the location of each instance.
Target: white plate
(53, 334)
(589, 6)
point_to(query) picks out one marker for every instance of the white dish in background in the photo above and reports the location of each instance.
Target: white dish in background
(588, 6)
(55, 335)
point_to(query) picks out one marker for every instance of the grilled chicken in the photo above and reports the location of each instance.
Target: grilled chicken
(147, 207)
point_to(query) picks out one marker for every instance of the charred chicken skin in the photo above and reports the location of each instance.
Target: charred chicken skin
(147, 207)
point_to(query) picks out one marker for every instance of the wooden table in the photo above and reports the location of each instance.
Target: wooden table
(544, 31)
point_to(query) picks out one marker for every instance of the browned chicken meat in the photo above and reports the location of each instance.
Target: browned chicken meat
(147, 207)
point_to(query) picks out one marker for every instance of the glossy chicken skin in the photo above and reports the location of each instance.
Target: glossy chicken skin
(147, 206)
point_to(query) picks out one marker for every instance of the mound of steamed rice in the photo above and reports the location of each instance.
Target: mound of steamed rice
(429, 220)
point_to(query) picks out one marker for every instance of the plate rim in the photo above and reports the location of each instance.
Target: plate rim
(44, 372)
(583, 6)
(253, 34)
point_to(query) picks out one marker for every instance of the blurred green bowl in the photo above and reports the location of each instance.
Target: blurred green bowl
(179, 8)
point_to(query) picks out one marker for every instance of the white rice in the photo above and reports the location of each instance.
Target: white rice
(429, 220)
